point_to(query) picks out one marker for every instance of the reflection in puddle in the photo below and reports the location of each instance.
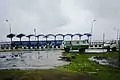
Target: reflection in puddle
(31, 60)
(96, 50)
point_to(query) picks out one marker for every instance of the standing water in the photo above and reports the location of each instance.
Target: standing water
(31, 60)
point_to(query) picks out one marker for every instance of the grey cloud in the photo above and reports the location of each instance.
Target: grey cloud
(47, 12)
(102, 8)
(25, 15)
(107, 14)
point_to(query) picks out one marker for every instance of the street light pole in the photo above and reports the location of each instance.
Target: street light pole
(92, 29)
(35, 33)
(118, 40)
(9, 25)
(119, 52)
(103, 38)
(117, 33)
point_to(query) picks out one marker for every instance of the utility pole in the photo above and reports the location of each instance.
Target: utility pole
(117, 33)
(119, 52)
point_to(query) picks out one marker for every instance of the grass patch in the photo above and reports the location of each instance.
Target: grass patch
(82, 65)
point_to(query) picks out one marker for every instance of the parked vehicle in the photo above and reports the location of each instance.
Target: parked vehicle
(76, 45)
(113, 45)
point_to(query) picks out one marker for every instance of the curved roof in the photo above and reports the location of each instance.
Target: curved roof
(10, 35)
(50, 35)
(45, 36)
(69, 35)
(20, 35)
(88, 34)
(30, 35)
(78, 34)
(59, 35)
(40, 35)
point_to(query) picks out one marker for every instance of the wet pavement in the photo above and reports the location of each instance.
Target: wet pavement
(35, 59)
(31, 59)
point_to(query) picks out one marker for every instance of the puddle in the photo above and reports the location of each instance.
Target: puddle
(31, 60)
(105, 61)
(95, 50)
(91, 50)
(99, 60)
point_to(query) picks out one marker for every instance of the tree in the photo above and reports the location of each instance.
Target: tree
(20, 37)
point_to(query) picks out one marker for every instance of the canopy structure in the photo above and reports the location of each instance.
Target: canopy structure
(54, 35)
(30, 35)
(46, 41)
(50, 35)
(40, 35)
(78, 35)
(69, 35)
(88, 34)
(59, 35)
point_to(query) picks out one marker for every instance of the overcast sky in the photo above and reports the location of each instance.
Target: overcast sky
(60, 16)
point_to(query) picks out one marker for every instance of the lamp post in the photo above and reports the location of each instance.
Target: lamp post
(103, 38)
(118, 39)
(35, 33)
(9, 25)
(117, 33)
(92, 29)
(119, 52)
